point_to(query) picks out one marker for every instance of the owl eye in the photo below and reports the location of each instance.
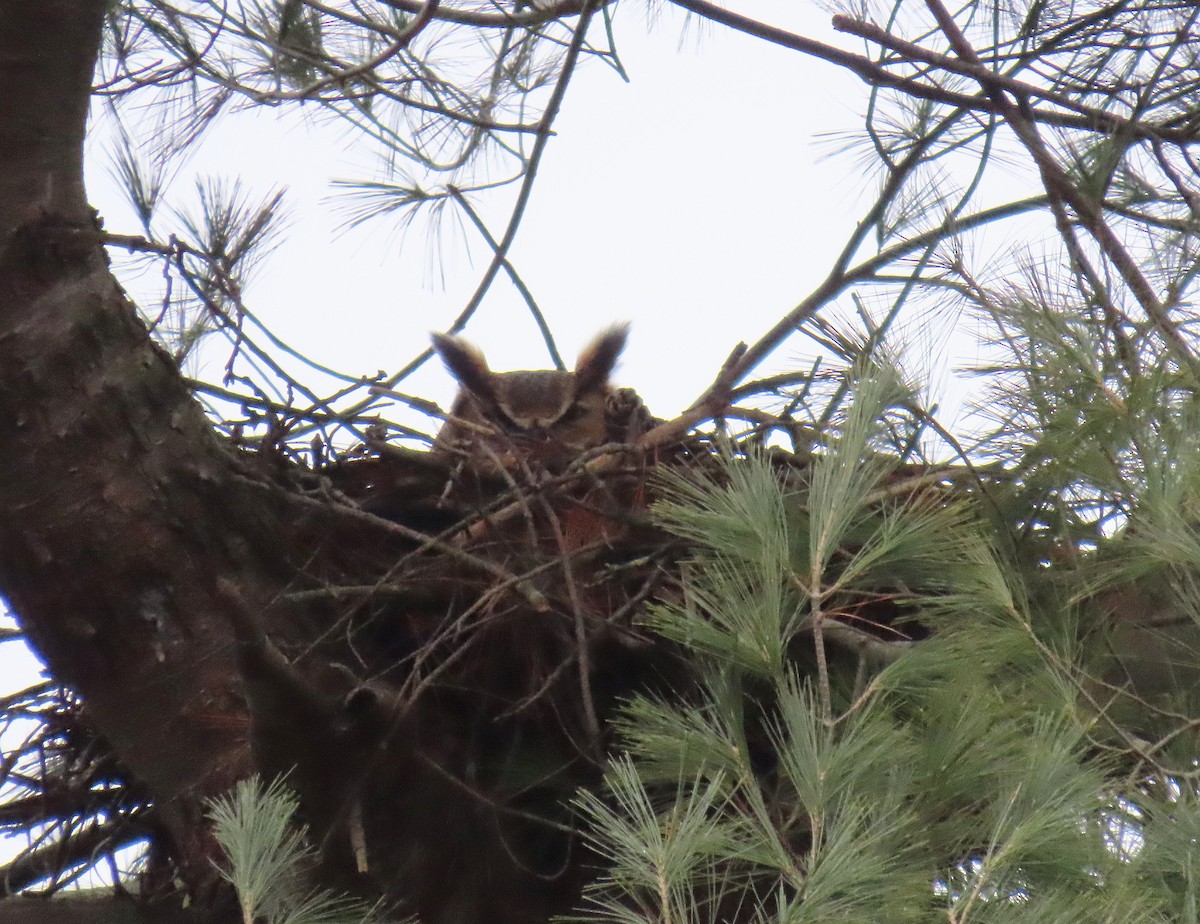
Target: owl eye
(507, 423)
(519, 421)
(572, 413)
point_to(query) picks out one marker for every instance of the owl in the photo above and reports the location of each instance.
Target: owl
(543, 414)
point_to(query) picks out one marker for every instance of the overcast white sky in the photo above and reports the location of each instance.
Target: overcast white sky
(699, 201)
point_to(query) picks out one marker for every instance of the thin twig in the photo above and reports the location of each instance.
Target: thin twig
(538, 150)
(1058, 184)
(876, 75)
(538, 317)
(401, 41)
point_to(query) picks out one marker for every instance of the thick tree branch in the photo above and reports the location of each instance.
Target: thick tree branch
(105, 908)
(47, 51)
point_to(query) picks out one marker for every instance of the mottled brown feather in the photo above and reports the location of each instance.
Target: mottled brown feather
(532, 410)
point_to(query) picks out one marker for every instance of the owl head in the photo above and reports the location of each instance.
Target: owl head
(529, 408)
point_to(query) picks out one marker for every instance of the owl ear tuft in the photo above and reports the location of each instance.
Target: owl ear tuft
(465, 362)
(596, 362)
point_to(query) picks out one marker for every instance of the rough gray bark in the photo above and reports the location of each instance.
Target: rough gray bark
(119, 508)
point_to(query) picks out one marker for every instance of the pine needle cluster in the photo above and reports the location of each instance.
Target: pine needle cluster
(270, 860)
(823, 769)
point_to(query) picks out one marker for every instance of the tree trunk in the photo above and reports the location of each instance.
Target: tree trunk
(119, 507)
